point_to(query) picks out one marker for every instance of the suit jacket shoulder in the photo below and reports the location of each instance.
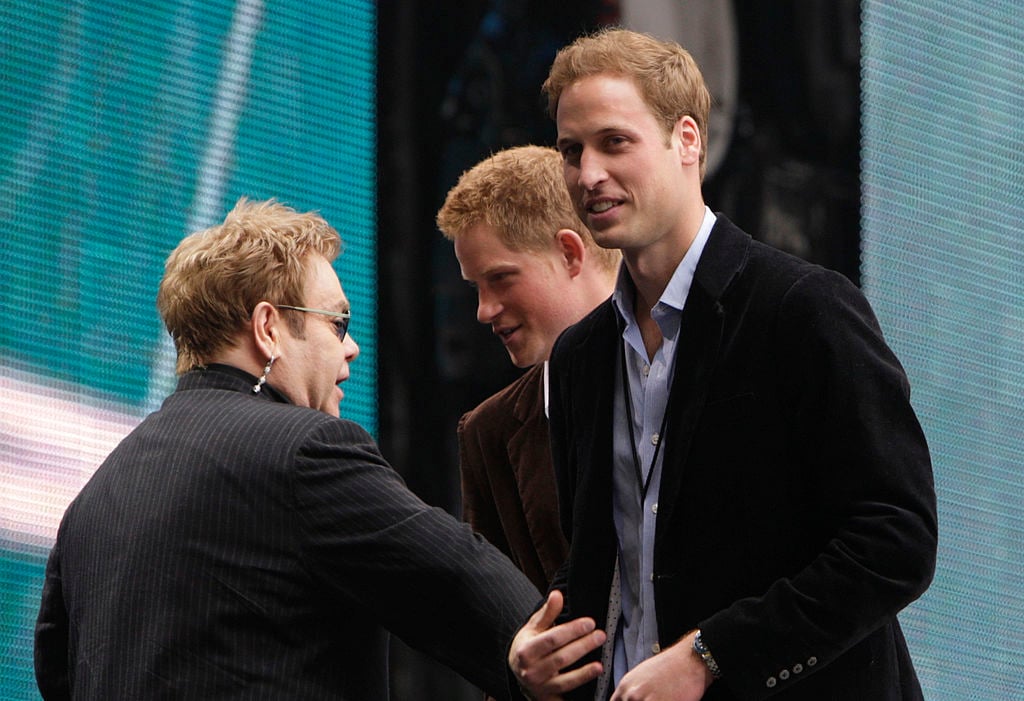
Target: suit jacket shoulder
(513, 405)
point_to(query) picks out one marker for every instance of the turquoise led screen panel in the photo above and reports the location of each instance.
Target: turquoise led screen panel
(125, 126)
(943, 229)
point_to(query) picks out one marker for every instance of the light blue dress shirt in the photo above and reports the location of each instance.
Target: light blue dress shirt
(635, 514)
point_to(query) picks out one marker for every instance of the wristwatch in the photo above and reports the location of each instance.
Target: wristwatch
(705, 654)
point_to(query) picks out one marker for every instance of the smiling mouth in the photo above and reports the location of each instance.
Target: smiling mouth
(600, 206)
(504, 334)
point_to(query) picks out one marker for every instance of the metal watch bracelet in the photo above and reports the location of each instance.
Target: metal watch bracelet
(705, 654)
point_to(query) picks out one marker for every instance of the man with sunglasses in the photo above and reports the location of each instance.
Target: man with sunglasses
(244, 541)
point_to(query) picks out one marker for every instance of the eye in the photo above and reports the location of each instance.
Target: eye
(340, 327)
(502, 278)
(570, 152)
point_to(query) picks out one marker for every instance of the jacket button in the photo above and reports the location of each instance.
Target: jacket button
(771, 682)
(784, 675)
(811, 661)
(797, 668)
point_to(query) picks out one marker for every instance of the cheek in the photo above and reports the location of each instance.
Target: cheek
(332, 360)
(546, 303)
(571, 176)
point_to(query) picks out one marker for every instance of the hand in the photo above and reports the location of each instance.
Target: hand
(676, 673)
(539, 652)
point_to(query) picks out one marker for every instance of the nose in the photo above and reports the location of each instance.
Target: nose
(592, 170)
(350, 347)
(488, 307)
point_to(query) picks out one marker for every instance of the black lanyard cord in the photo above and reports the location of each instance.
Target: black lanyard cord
(642, 482)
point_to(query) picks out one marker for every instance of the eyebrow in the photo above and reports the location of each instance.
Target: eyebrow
(343, 305)
(499, 269)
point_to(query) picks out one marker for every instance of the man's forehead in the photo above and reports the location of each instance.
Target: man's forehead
(323, 287)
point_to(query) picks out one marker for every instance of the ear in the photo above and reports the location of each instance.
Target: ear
(688, 136)
(570, 245)
(265, 329)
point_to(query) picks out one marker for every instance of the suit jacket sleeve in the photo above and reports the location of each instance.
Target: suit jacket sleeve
(51, 636)
(860, 461)
(427, 577)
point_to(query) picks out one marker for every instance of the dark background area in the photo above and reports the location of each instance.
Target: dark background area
(460, 80)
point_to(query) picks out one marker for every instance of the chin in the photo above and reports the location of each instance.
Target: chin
(523, 363)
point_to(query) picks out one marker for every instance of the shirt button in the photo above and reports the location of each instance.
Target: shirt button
(771, 682)
(655, 648)
(654, 508)
(646, 370)
(797, 668)
(655, 438)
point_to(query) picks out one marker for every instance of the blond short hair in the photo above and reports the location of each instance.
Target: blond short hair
(669, 80)
(214, 278)
(519, 192)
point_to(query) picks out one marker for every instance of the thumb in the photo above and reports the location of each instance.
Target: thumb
(545, 616)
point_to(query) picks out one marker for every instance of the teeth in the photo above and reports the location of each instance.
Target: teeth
(601, 207)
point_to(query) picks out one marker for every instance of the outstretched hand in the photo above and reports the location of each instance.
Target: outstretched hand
(540, 652)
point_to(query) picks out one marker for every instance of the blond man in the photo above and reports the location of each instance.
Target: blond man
(536, 270)
(750, 491)
(246, 542)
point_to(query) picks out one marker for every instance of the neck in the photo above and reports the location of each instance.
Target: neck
(653, 265)
(240, 355)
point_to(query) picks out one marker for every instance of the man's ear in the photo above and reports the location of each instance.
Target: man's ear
(688, 135)
(265, 333)
(570, 244)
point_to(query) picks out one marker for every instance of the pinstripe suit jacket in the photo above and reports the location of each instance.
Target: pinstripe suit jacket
(235, 546)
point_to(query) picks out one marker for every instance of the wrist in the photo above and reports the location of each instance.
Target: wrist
(704, 653)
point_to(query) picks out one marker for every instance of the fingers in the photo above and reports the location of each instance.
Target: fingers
(540, 652)
(563, 683)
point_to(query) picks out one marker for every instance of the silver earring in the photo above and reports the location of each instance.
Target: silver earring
(263, 378)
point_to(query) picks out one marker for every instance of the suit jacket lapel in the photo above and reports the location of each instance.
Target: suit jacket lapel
(526, 455)
(597, 374)
(701, 328)
(588, 367)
